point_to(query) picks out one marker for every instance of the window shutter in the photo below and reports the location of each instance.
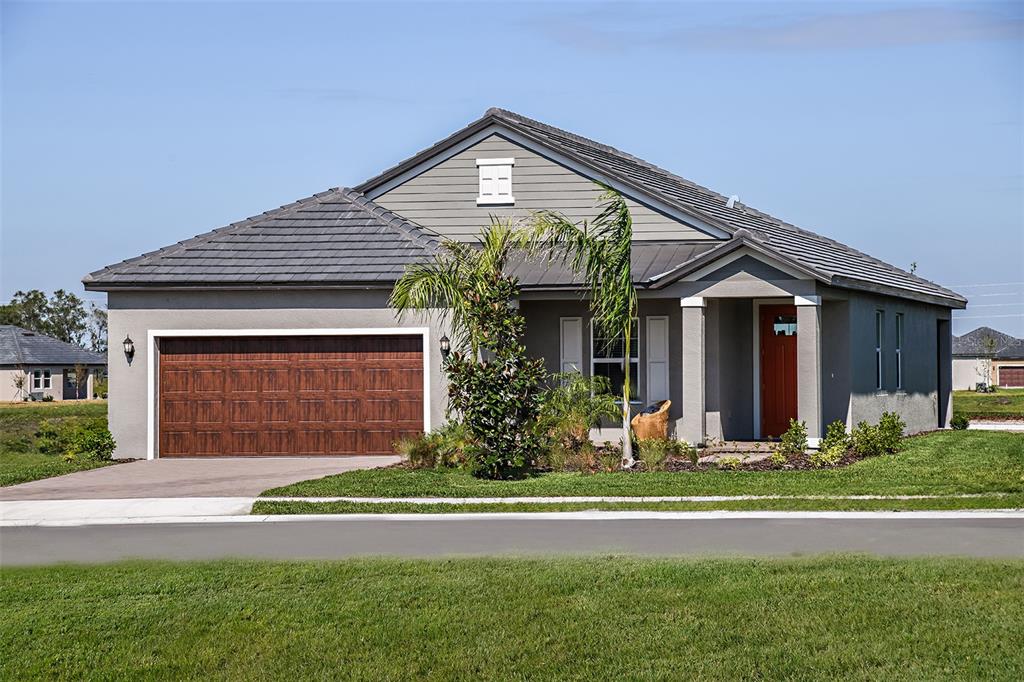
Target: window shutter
(657, 359)
(571, 344)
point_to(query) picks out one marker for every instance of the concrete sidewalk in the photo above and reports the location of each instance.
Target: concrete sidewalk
(188, 477)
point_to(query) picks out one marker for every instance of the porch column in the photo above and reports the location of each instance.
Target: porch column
(808, 365)
(693, 421)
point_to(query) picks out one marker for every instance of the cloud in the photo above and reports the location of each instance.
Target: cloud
(804, 31)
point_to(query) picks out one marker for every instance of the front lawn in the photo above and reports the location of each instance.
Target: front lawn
(500, 619)
(20, 459)
(940, 463)
(1005, 403)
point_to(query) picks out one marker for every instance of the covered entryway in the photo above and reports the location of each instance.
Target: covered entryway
(778, 329)
(288, 395)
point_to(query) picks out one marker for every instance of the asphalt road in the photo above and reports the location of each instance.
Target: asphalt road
(339, 538)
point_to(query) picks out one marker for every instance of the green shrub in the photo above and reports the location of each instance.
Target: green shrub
(688, 451)
(867, 440)
(959, 422)
(730, 463)
(100, 388)
(654, 452)
(47, 398)
(836, 437)
(444, 448)
(890, 432)
(610, 457)
(17, 444)
(827, 456)
(76, 438)
(794, 441)
(572, 406)
(777, 457)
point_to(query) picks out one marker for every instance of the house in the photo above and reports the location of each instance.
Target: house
(33, 365)
(272, 335)
(987, 356)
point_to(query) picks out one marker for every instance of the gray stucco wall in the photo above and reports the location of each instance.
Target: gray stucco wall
(543, 334)
(919, 400)
(443, 198)
(835, 361)
(136, 313)
(730, 404)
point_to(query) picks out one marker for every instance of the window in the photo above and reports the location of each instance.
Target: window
(41, 379)
(606, 359)
(899, 351)
(495, 181)
(784, 325)
(879, 322)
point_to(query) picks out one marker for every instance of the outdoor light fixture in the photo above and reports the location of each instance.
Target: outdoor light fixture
(446, 347)
(129, 348)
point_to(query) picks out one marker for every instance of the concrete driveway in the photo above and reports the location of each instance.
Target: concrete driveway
(207, 477)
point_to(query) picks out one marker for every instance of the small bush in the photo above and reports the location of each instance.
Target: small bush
(836, 437)
(441, 449)
(47, 398)
(827, 456)
(100, 388)
(890, 432)
(959, 422)
(610, 457)
(730, 463)
(794, 441)
(778, 458)
(688, 451)
(866, 440)
(76, 439)
(654, 452)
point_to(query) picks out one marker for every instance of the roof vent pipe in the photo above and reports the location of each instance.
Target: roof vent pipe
(732, 201)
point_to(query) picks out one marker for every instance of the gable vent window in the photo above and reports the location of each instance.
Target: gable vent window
(495, 181)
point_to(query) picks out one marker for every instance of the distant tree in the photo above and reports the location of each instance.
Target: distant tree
(989, 346)
(97, 328)
(62, 316)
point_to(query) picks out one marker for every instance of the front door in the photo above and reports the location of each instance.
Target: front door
(778, 368)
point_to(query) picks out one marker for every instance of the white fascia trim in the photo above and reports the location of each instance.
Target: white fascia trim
(496, 162)
(154, 334)
(674, 213)
(693, 302)
(807, 300)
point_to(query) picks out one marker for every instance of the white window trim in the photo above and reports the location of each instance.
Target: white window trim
(618, 361)
(45, 379)
(500, 199)
(154, 334)
(899, 351)
(879, 345)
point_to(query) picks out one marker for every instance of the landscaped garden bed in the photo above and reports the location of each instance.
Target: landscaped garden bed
(1004, 404)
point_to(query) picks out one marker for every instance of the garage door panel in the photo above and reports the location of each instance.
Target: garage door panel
(308, 395)
(1011, 377)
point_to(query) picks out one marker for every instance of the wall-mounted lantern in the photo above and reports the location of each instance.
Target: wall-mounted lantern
(446, 347)
(129, 348)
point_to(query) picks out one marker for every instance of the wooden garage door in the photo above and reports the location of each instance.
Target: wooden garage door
(1011, 377)
(304, 395)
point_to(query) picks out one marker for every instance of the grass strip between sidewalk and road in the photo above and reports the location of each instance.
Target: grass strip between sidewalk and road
(940, 463)
(788, 504)
(837, 617)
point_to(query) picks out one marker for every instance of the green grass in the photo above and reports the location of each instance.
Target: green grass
(1004, 403)
(517, 619)
(20, 461)
(941, 463)
(791, 504)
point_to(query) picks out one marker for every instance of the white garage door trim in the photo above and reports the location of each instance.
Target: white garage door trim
(154, 334)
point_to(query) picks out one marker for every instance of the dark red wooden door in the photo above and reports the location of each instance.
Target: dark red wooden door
(778, 368)
(303, 395)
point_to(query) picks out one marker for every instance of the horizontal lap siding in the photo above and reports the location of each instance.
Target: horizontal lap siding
(443, 198)
(289, 395)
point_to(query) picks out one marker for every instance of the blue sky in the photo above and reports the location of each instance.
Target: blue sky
(895, 128)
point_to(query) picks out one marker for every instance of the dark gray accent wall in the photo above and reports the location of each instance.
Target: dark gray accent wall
(728, 369)
(835, 361)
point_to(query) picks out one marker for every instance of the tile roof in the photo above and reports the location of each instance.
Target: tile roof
(975, 343)
(337, 237)
(647, 260)
(840, 264)
(25, 347)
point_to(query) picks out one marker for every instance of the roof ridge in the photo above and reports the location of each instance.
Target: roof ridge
(415, 232)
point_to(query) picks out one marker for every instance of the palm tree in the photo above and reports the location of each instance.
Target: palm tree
(460, 275)
(601, 251)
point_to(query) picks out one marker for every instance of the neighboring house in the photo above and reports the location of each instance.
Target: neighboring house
(48, 366)
(272, 336)
(987, 356)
